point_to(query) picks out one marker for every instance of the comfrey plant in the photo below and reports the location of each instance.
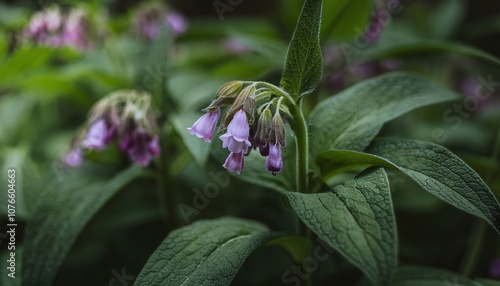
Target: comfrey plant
(333, 175)
(253, 120)
(353, 216)
(125, 115)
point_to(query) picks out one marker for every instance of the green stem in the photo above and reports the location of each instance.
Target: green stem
(166, 195)
(479, 230)
(302, 160)
(278, 91)
(302, 142)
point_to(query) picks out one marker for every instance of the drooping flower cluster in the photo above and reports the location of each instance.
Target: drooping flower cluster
(123, 115)
(54, 28)
(151, 18)
(253, 121)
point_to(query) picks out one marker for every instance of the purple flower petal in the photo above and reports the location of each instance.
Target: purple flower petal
(140, 146)
(234, 162)
(238, 127)
(274, 162)
(96, 136)
(264, 149)
(73, 158)
(154, 146)
(233, 145)
(204, 127)
(176, 22)
(238, 131)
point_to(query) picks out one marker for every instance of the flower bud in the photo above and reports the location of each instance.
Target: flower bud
(244, 99)
(230, 89)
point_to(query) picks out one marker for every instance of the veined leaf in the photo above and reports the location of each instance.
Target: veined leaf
(431, 166)
(425, 276)
(352, 118)
(304, 63)
(411, 46)
(356, 218)
(63, 212)
(344, 18)
(207, 252)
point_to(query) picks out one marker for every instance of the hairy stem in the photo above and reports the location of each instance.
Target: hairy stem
(302, 161)
(302, 142)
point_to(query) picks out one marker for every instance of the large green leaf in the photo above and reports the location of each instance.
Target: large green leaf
(431, 166)
(207, 252)
(396, 46)
(62, 213)
(446, 18)
(22, 61)
(344, 18)
(304, 64)
(357, 219)
(425, 276)
(352, 118)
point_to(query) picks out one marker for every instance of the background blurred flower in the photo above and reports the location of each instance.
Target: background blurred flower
(150, 19)
(55, 28)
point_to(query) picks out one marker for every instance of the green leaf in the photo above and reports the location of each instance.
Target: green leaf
(397, 47)
(296, 246)
(344, 18)
(64, 210)
(352, 118)
(4, 45)
(446, 18)
(304, 63)
(356, 218)
(156, 68)
(486, 282)
(192, 89)
(207, 252)
(18, 158)
(432, 167)
(22, 61)
(425, 276)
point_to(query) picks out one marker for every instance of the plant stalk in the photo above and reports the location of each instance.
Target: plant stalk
(302, 142)
(302, 161)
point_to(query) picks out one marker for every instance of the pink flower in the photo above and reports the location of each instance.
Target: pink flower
(234, 162)
(274, 162)
(97, 136)
(140, 146)
(205, 126)
(74, 32)
(73, 158)
(176, 22)
(238, 130)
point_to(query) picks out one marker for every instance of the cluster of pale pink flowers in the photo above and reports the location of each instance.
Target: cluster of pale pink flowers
(55, 28)
(253, 120)
(150, 19)
(124, 115)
